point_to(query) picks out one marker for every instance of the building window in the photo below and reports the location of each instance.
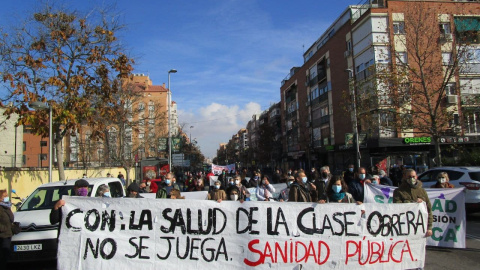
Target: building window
(141, 106)
(401, 58)
(349, 45)
(43, 143)
(151, 106)
(24, 146)
(24, 160)
(445, 28)
(472, 122)
(43, 157)
(399, 28)
(446, 58)
(450, 89)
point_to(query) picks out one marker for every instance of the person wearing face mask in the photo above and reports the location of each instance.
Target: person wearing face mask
(337, 191)
(349, 174)
(103, 191)
(384, 179)
(80, 189)
(411, 191)
(6, 221)
(301, 190)
(443, 181)
(243, 193)
(166, 186)
(254, 180)
(375, 180)
(265, 190)
(233, 194)
(356, 187)
(321, 184)
(314, 175)
(216, 194)
(283, 197)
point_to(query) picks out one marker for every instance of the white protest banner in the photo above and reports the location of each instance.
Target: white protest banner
(128, 233)
(448, 209)
(218, 169)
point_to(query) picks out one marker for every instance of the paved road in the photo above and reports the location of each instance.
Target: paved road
(437, 258)
(468, 258)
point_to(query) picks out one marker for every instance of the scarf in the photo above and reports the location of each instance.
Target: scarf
(6, 204)
(338, 196)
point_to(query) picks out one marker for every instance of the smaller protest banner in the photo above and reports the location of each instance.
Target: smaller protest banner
(218, 169)
(448, 209)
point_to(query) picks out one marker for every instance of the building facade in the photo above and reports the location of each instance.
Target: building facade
(345, 66)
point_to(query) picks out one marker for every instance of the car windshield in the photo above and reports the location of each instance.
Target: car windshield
(45, 197)
(474, 176)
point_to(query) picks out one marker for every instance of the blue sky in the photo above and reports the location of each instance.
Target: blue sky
(231, 55)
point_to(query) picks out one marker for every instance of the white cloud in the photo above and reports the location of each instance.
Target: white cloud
(216, 123)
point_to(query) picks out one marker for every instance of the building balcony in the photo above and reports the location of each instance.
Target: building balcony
(470, 68)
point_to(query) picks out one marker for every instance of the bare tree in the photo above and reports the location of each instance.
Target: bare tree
(409, 95)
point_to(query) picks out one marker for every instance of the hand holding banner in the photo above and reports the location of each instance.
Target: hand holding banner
(124, 233)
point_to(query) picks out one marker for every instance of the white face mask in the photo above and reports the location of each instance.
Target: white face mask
(107, 194)
(234, 197)
(237, 182)
(442, 180)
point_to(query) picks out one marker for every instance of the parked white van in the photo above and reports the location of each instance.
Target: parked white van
(38, 238)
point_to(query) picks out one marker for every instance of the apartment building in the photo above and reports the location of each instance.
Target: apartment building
(347, 65)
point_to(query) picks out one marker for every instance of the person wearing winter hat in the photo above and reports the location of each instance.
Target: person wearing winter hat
(80, 189)
(133, 191)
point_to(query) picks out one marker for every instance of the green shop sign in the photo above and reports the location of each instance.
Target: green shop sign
(417, 140)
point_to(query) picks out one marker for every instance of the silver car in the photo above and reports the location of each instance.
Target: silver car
(468, 177)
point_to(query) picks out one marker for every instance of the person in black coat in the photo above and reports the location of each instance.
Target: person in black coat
(80, 189)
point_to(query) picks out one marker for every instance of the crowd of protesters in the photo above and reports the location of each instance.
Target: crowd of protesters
(315, 186)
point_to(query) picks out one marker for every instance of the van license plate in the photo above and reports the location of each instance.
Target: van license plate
(31, 247)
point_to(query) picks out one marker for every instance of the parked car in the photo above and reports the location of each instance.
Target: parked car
(38, 238)
(468, 177)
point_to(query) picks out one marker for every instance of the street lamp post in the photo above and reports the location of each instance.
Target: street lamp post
(169, 121)
(37, 105)
(351, 85)
(191, 134)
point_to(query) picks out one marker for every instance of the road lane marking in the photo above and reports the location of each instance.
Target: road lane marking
(471, 236)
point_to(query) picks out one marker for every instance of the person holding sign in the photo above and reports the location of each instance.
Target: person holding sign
(443, 181)
(265, 190)
(411, 191)
(285, 192)
(217, 194)
(337, 191)
(80, 188)
(301, 191)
